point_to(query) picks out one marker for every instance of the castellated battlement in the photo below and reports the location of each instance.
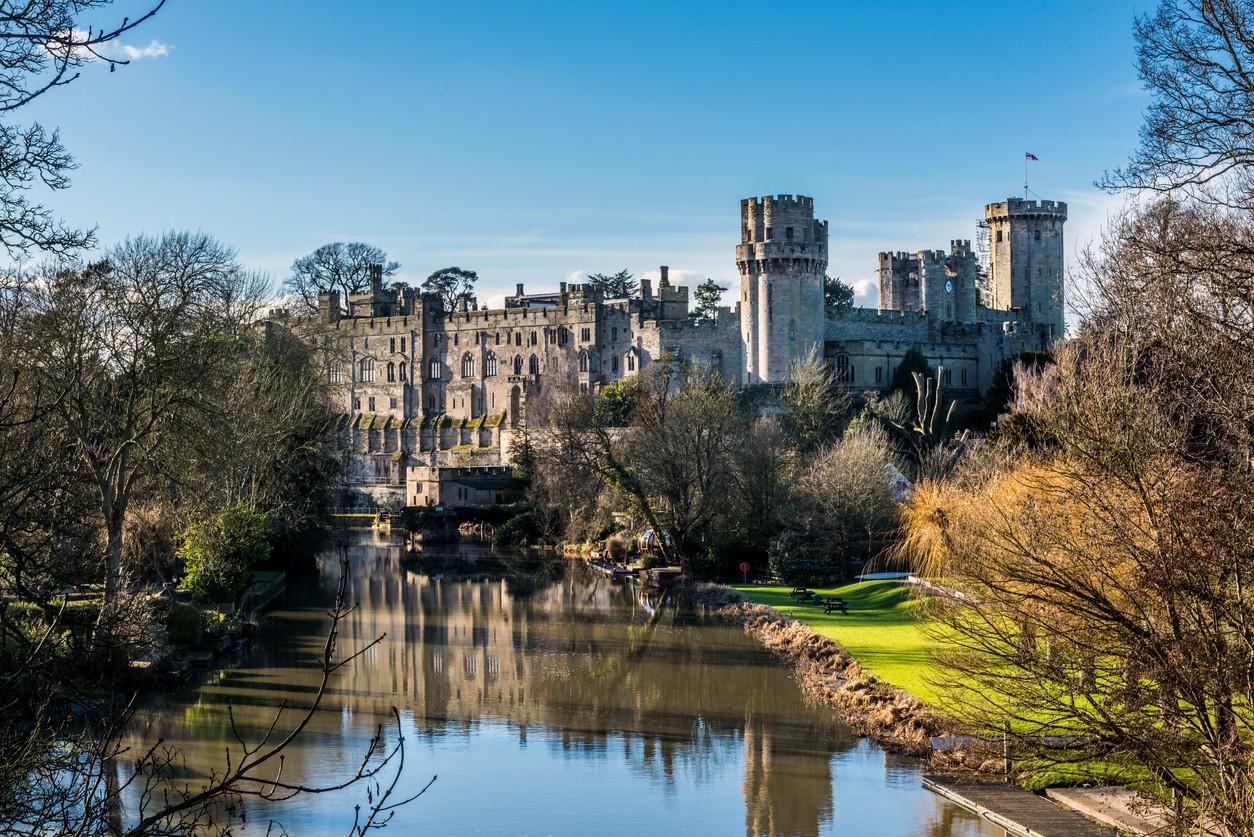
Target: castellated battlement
(1019, 206)
(787, 219)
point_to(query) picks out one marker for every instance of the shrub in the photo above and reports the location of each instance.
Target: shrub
(798, 558)
(183, 624)
(517, 530)
(218, 552)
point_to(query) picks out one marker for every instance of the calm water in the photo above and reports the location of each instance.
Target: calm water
(551, 702)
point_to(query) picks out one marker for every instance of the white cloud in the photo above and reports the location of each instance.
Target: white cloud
(866, 293)
(110, 49)
(155, 49)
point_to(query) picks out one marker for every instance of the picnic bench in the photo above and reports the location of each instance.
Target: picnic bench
(832, 603)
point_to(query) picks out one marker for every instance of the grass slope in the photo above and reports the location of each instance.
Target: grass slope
(882, 631)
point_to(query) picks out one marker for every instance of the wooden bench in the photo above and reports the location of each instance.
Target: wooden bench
(800, 593)
(833, 603)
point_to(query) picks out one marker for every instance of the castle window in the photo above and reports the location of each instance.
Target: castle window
(366, 368)
(391, 344)
(788, 233)
(585, 334)
(583, 361)
(402, 345)
(768, 233)
(402, 370)
(334, 372)
(392, 403)
(999, 235)
(614, 363)
(371, 404)
(533, 365)
(365, 342)
(949, 376)
(433, 371)
(844, 370)
(533, 338)
(792, 329)
(1037, 235)
(879, 374)
(518, 364)
(562, 335)
(498, 338)
(614, 333)
(357, 404)
(476, 338)
(631, 360)
(518, 338)
(489, 365)
(468, 365)
(456, 338)
(391, 371)
(431, 403)
(964, 377)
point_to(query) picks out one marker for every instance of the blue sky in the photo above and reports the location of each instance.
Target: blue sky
(532, 141)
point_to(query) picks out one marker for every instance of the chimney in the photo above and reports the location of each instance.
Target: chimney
(563, 288)
(518, 290)
(646, 289)
(665, 280)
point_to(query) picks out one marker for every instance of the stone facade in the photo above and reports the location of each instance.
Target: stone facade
(422, 389)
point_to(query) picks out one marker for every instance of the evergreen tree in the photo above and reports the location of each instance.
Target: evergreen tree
(707, 296)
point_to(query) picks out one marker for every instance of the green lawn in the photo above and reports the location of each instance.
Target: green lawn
(881, 630)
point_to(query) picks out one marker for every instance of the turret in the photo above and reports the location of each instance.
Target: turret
(1026, 261)
(782, 257)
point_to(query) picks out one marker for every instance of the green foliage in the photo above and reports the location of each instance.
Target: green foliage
(615, 286)
(796, 557)
(707, 297)
(219, 551)
(523, 528)
(450, 284)
(522, 456)
(903, 377)
(836, 294)
(183, 624)
(616, 402)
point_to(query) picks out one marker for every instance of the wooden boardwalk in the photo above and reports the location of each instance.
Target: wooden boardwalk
(1014, 809)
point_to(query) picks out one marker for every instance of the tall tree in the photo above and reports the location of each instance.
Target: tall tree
(340, 266)
(707, 296)
(837, 296)
(133, 339)
(614, 286)
(818, 407)
(451, 284)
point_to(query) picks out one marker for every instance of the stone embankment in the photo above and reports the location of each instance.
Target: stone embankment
(826, 673)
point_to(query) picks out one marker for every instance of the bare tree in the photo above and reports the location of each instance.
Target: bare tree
(817, 405)
(1196, 60)
(43, 45)
(342, 267)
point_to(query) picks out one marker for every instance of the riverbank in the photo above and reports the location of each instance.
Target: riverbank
(829, 673)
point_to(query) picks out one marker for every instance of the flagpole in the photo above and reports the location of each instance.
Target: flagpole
(1025, 176)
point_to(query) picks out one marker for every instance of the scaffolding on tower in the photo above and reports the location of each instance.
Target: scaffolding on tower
(981, 255)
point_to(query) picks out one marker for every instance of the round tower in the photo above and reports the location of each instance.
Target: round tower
(782, 257)
(1026, 260)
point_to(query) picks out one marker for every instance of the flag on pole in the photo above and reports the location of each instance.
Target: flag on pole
(1029, 155)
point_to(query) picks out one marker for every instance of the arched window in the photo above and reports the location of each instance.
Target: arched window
(533, 365)
(489, 365)
(367, 370)
(562, 335)
(402, 370)
(334, 372)
(518, 364)
(433, 369)
(468, 365)
(533, 338)
(631, 360)
(844, 369)
(391, 371)
(517, 338)
(583, 361)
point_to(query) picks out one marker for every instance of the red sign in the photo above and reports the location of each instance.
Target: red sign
(744, 566)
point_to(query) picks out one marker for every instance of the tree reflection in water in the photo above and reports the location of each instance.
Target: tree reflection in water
(607, 674)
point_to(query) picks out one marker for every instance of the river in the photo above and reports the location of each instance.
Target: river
(550, 701)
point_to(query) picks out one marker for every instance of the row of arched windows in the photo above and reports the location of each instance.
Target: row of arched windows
(395, 371)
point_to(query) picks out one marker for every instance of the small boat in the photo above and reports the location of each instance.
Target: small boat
(610, 569)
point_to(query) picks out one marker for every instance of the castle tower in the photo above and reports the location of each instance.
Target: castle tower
(1026, 260)
(782, 257)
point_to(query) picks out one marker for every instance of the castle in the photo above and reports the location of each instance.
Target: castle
(431, 399)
